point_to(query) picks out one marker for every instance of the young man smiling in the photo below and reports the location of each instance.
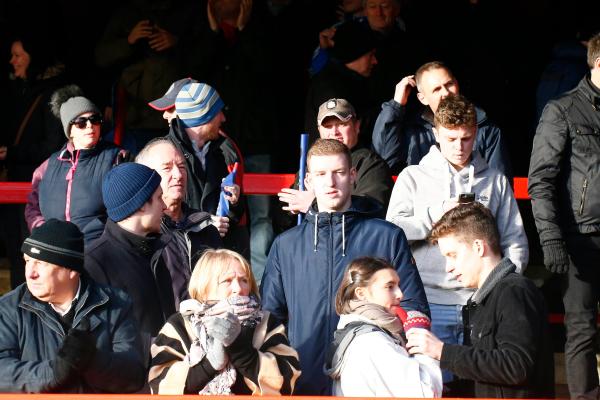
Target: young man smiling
(508, 353)
(450, 172)
(306, 263)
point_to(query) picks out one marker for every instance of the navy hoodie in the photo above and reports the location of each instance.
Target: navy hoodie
(304, 271)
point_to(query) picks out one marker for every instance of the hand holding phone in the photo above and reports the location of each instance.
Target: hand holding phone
(464, 198)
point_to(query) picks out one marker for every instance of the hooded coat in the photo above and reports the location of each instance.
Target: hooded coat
(417, 203)
(305, 268)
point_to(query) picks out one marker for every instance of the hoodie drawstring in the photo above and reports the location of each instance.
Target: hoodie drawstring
(343, 235)
(471, 177)
(316, 227)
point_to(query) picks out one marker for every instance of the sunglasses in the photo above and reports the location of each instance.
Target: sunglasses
(81, 122)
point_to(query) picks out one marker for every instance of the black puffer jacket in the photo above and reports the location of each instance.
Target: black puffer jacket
(564, 174)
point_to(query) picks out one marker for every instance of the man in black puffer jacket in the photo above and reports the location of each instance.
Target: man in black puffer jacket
(564, 185)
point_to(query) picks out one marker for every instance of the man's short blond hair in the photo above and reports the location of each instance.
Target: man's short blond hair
(328, 147)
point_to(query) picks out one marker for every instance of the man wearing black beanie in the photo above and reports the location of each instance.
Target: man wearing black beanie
(62, 332)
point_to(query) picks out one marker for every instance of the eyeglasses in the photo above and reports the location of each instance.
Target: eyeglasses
(81, 122)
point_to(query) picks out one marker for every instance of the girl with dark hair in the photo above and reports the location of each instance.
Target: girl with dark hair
(368, 355)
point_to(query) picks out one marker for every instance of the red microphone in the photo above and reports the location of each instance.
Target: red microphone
(412, 319)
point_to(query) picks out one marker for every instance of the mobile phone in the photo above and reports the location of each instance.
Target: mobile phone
(466, 197)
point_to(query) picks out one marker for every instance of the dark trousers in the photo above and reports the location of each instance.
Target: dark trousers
(581, 293)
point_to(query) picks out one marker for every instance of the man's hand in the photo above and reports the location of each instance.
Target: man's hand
(221, 223)
(421, 341)
(3, 151)
(326, 38)
(297, 200)
(162, 40)
(244, 15)
(141, 30)
(556, 256)
(403, 89)
(234, 197)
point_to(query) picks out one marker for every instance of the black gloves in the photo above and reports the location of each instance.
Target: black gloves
(76, 353)
(556, 257)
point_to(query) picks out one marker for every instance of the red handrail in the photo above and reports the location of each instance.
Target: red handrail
(269, 184)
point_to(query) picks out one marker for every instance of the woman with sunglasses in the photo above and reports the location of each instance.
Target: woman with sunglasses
(221, 342)
(68, 185)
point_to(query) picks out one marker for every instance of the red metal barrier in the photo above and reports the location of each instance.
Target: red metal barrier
(16, 192)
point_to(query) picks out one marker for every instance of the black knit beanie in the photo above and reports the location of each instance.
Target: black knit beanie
(57, 242)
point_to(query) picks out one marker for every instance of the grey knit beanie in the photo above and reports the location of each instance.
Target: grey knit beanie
(73, 108)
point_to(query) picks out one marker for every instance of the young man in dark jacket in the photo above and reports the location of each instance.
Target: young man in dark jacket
(61, 331)
(191, 230)
(404, 140)
(306, 263)
(507, 350)
(564, 184)
(128, 255)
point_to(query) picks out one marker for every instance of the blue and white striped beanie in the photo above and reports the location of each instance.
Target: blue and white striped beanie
(197, 104)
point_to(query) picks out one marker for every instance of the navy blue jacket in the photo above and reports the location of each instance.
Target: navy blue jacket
(81, 195)
(31, 335)
(304, 271)
(402, 142)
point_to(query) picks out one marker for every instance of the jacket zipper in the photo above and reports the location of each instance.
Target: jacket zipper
(583, 190)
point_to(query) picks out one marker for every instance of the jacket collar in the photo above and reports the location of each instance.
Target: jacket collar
(90, 297)
(504, 267)
(193, 220)
(143, 245)
(590, 91)
(68, 151)
(177, 134)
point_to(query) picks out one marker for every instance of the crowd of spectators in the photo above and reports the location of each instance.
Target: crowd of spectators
(115, 249)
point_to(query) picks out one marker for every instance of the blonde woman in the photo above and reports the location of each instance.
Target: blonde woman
(221, 342)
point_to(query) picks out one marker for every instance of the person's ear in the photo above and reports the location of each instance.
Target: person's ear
(352, 175)
(422, 99)
(357, 126)
(479, 247)
(359, 293)
(308, 181)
